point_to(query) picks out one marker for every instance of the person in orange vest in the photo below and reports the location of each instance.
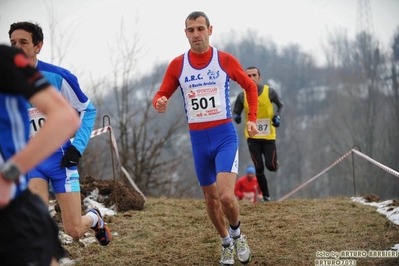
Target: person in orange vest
(247, 187)
(263, 145)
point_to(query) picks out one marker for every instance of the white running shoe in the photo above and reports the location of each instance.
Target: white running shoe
(243, 252)
(227, 255)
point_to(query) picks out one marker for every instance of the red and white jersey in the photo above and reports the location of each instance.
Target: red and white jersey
(204, 80)
(205, 91)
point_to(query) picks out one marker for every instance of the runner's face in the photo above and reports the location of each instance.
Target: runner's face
(254, 75)
(250, 176)
(23, 40)
(198, 34)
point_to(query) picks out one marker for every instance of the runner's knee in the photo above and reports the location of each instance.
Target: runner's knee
(272, 167)
(259, 170)
(227, 199)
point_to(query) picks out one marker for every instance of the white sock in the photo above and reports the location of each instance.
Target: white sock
(95, 218)
(226, 241)
(234, 233)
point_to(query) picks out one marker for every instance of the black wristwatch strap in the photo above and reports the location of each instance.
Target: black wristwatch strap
(10, 171)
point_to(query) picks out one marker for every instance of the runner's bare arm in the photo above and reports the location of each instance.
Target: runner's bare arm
(61, 118)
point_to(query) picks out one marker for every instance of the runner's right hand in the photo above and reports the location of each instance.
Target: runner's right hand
(161, 104)
(237, 118)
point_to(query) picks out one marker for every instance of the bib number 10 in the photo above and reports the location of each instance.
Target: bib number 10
(203, 103)
(36, 124)
(36, 120)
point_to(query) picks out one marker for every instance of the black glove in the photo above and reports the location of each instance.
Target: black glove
(276, 121)
(237, 118)
(71, 157)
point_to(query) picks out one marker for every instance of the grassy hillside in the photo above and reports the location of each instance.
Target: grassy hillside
(178, 232)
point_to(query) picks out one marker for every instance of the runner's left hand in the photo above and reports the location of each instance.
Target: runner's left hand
(161, 104)
(276, 121)
(71, 157)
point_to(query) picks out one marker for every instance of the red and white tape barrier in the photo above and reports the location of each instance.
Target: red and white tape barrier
(315, 177)
(106, 129)
(384, 167)
(380, 165)
(100, 131)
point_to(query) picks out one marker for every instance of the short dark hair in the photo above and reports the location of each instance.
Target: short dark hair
(253, 67)
(33, 28)
(196, 14)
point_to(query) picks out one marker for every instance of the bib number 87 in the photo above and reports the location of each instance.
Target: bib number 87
(262, 127)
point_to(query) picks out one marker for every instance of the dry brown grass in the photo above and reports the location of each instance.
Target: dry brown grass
(178, 232)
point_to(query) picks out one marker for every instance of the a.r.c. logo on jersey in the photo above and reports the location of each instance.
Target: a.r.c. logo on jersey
(212, 74)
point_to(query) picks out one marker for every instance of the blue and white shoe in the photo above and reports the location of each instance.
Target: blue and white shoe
(101, 230)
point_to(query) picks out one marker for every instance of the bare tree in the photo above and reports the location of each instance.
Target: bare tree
(393, 110)
(328, 110)
(60, 44)
(150, 145)
(359, 105)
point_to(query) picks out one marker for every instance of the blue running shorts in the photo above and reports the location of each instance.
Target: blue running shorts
(62, 179)
(215, 150)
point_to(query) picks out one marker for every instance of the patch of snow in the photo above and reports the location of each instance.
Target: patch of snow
(88, 238)
(88, 241)
(52, 211)
(66, 261)
(64, 238)
(92, 201)
(391, 212)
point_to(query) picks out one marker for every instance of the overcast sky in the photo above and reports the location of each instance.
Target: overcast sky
(93, 25)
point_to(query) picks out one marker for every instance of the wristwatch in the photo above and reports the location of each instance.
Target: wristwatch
(10, 171)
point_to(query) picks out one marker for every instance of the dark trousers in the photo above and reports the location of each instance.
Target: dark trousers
(260, 149)
(28, 234)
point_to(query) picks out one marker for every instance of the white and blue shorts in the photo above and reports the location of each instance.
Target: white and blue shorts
(62, 179)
